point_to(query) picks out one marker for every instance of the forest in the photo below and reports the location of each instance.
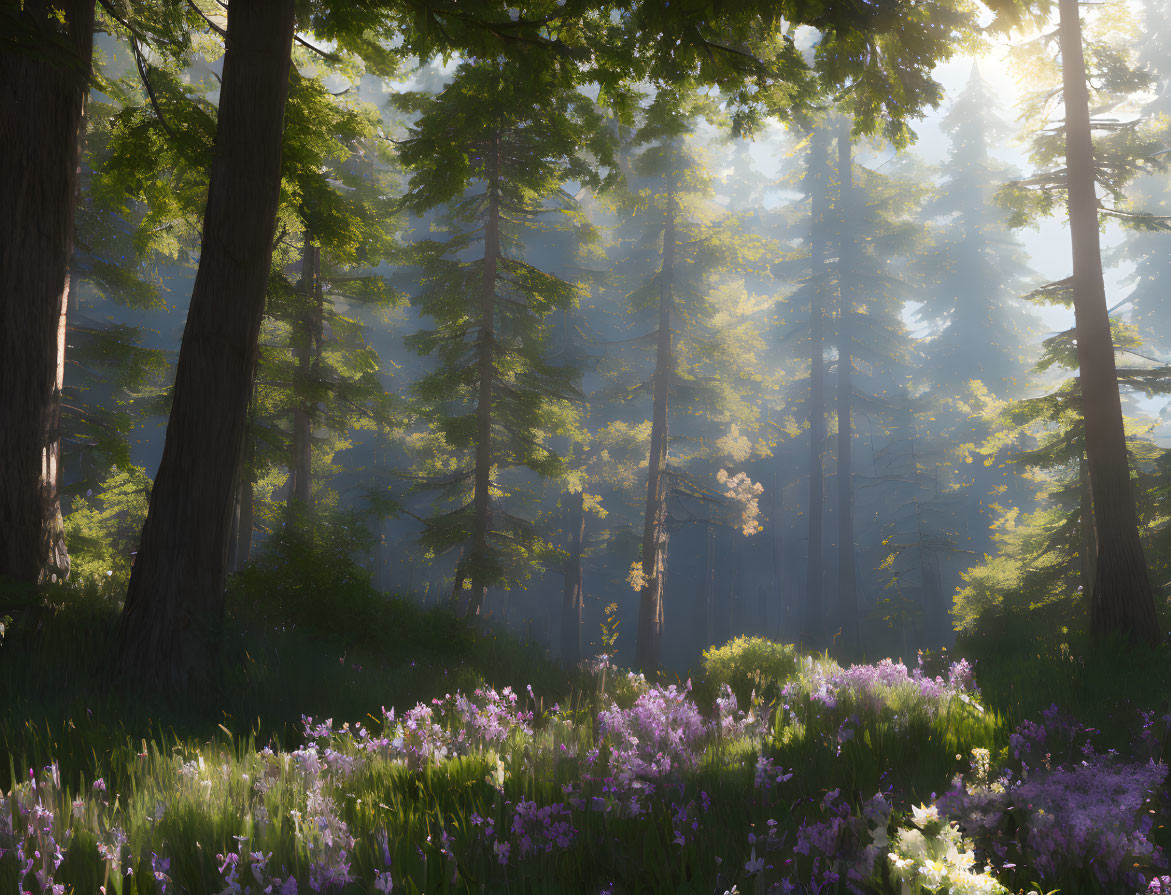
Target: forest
(601, 446)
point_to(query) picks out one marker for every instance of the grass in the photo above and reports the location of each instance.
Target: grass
(61, 702)
(188, 787)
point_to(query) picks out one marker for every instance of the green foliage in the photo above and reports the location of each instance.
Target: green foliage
(1040, 569)
(494, 151)
(749, 665)
(102, 530)
(62, 703)
(1126, 144)
(1024, 669)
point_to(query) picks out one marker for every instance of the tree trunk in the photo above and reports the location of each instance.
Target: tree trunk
(812, 631)
(847, 584)
(1088, 546)
(649, 647)
(306, 348)
(1121, 601)
(43, 90)
(481, 558)
(574, 595)
(245, 501)
(175, 601)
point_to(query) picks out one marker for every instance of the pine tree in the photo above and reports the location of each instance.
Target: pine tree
(979, 330)
(1048, 555)
(873, 233)
(1082, 154)
(815, 294)
(685, 252)
(495, 148)
(973, 271)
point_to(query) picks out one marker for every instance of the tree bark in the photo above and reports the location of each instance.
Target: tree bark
(175, 600)
(42, 104)
(306, 348)
(574, 594)
(245, 500)
(1088, 538)
(812, 625)
(481, 558)
(649, 646)
(847, 584)
(1122, 601)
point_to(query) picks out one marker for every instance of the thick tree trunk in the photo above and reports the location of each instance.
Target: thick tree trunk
(649, 646)
(306, 348)
(481, 555)
(1122, 601)
(574, 594)
(175, 601)
(812, 631)
(42, 102)
(847, 584)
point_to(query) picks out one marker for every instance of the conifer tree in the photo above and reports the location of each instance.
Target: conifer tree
(1087, 151)
(979, 329)
(973, 272)
(693, 248)
(873, 231)
(814, 296)
(495, 149)
(1046, 557)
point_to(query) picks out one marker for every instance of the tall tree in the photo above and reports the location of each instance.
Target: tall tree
(44, 80)
(1091, 154)
(495, 147)
(971, 271)
(693, 248)
(845, 210)
(979, 329)
(176, 586)
(817, 284)
(1122, 600)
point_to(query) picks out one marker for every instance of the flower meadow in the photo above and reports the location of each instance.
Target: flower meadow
(823, 785)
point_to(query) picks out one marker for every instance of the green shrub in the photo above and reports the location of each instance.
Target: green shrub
(747, 665)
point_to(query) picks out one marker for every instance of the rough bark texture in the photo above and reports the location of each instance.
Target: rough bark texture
(307, 349)
(486, 373)
(1122, 601)
(42, 104)
(175, 600)
(649, 646)
(847, 584)
(573, 597)
(812, 625)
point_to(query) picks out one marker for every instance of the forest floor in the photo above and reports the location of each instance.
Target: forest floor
(392, 749)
